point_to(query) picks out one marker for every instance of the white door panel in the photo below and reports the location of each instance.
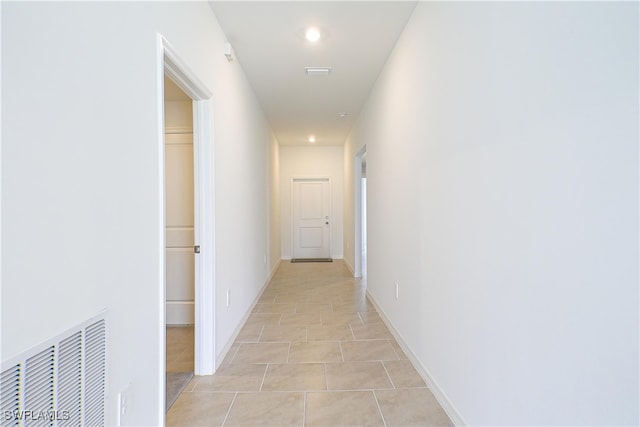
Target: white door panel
(311, 201)
(311, 218)
(180, 274)
(311, 237)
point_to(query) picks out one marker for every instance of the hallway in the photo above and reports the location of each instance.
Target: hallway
(313, 352)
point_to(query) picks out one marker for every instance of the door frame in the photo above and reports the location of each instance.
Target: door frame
(171, 64)
(357, 211)
(293, 223)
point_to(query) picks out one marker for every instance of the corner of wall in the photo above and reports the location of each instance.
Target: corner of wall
(434, 387)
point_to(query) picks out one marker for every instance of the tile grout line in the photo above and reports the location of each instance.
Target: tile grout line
(341, 353)
(264, 376)
(388, 375)
(326, 377)
(304, 409)
(195, 380)
(394, 350)
(352, 333)
(341, 390)
(261, 332)
(226, 417)
(235, 354)
(375, 397)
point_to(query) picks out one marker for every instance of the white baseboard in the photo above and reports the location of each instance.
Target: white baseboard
(220, 357)
(349, 267)
(437, 391)
(273, 270)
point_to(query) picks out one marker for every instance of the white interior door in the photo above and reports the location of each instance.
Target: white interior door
(311, 218)
(180, 258)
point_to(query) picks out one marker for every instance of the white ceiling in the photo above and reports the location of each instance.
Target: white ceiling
(268, 41)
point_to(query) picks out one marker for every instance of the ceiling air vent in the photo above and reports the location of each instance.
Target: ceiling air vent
(317, 71)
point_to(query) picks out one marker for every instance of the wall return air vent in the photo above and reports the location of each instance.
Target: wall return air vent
(317, 71)
(61, 382)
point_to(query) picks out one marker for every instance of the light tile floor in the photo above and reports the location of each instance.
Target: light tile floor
(180, 348)
(313, 352)
(179, 361)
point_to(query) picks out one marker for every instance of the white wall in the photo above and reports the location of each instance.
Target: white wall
(81, 163)
(348, 207)
(275, 208)
(502, 168)
(296, 162)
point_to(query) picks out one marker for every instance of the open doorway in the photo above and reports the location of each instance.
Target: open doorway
(195, 304)
(179, 240)
(360, 213)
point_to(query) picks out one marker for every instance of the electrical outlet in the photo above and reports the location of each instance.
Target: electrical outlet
(397, 290)
(228, 297)
(124, 404)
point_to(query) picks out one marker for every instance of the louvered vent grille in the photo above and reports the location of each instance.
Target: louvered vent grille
(94, 374)
(38, 388)
(60, 383)
(10, 396)
(70, 379)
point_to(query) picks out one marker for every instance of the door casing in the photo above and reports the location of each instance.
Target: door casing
(327, 237)
(357, 211)
(170, 63)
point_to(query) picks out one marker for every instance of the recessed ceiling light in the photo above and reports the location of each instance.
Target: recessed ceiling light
(343, 115)
(312, 34)
(312, 139)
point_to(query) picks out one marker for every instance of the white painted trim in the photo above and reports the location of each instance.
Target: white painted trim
(273, 270)
(437, 391)
(181, 74)
(349, 267)
(178, 139)
(205, 359)
(357, 212)
(178, 130)
(170, 63)
(160, 323)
